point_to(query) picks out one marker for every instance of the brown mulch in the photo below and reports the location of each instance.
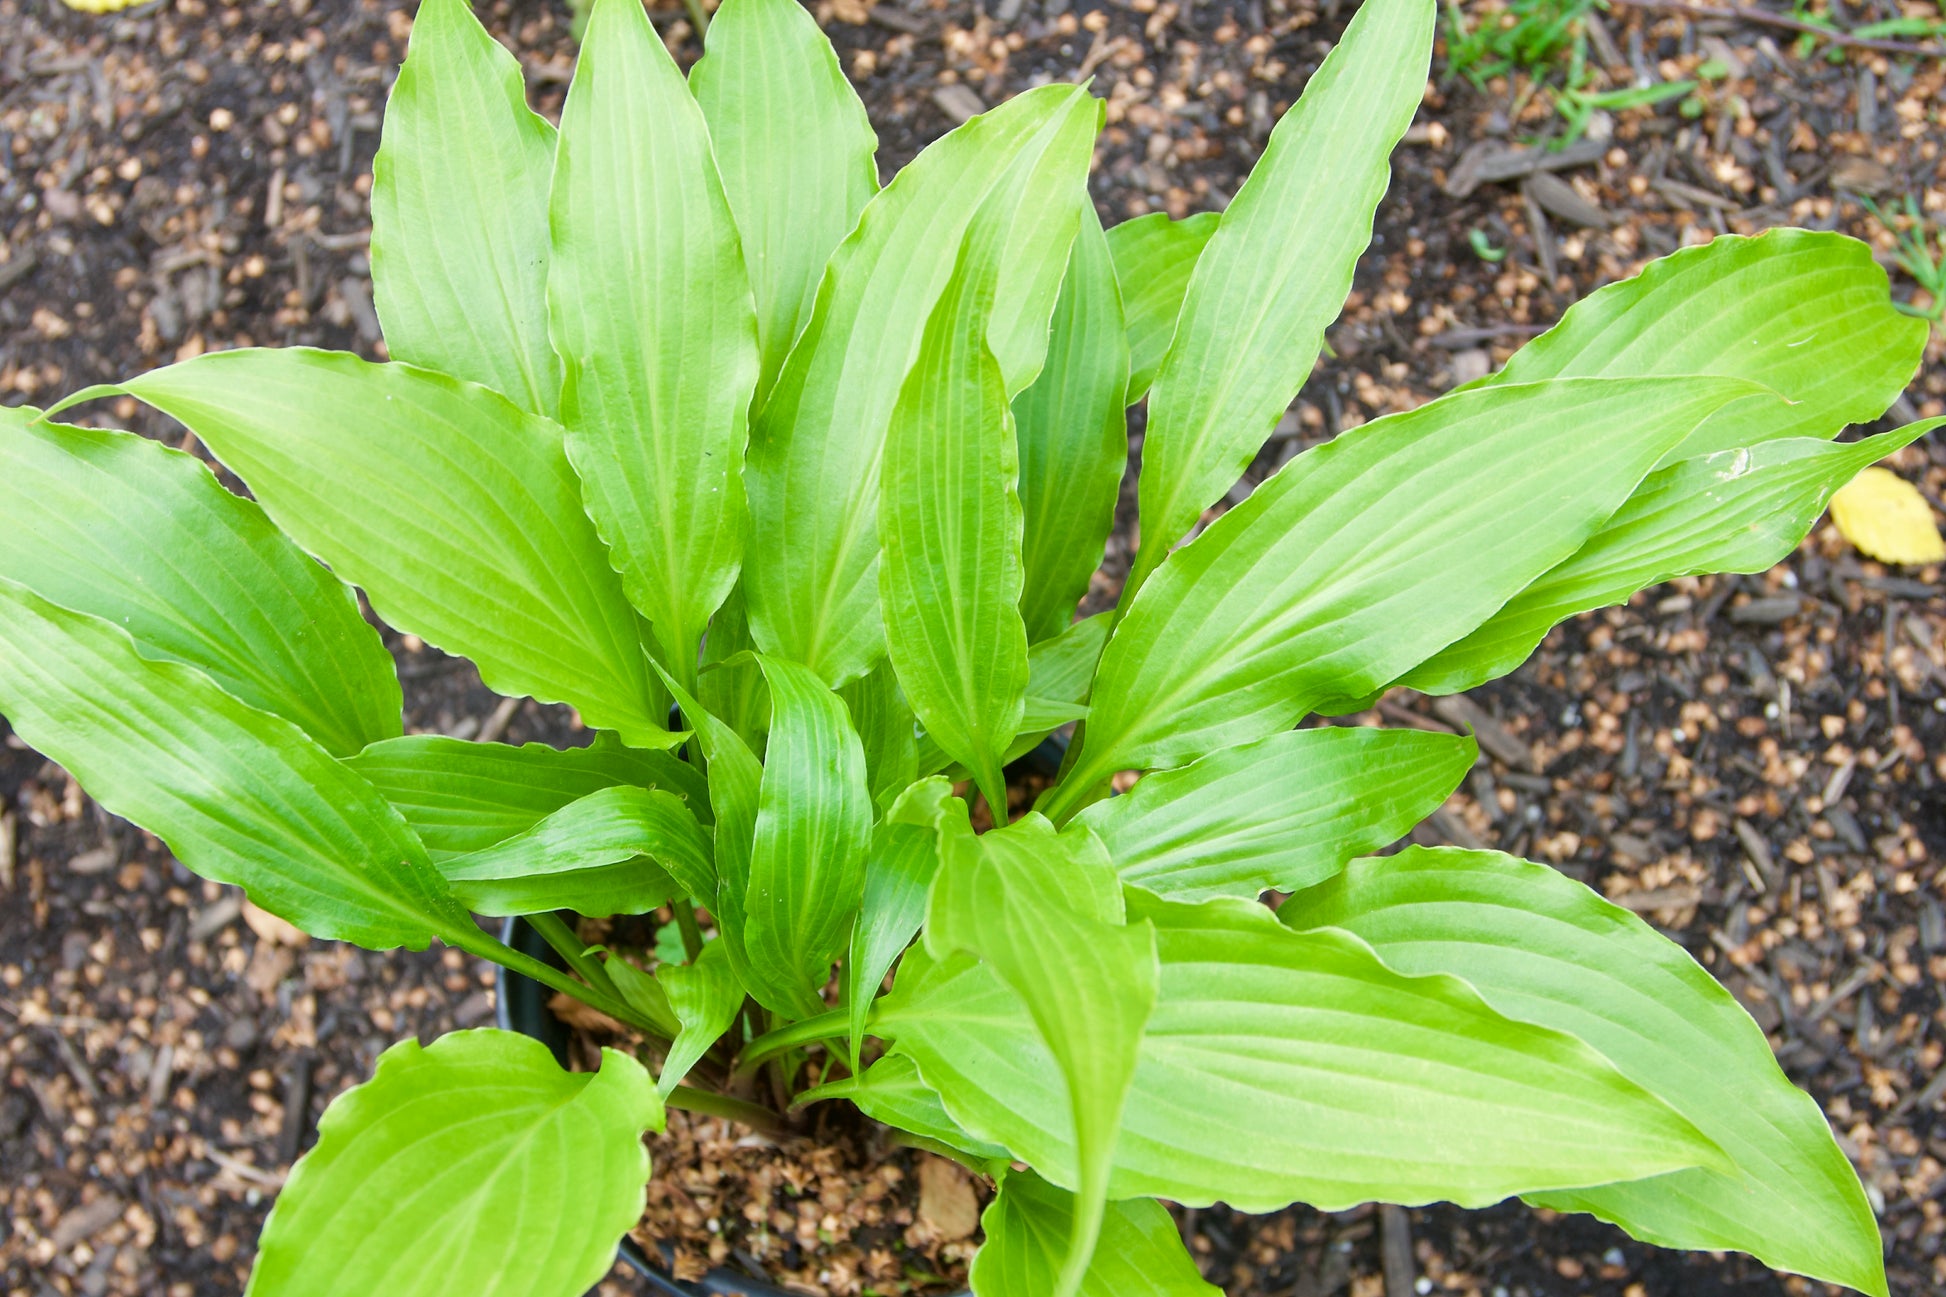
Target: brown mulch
(1754, 764)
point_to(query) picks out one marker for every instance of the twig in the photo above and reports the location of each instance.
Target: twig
(1765, 18)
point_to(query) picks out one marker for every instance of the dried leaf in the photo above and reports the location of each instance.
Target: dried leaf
(1887, 519)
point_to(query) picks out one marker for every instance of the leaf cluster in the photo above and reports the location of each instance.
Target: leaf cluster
(791, 486)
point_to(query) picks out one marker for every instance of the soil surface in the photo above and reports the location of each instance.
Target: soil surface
(1757, 765)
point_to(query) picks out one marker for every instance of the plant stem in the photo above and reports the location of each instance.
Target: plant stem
(824, 1026)
(692, 934)
(697, 17)
(755, 1116)
(487, 947)
(555, 931)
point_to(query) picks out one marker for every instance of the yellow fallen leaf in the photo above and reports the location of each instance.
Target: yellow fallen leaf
(1886, 518)
(101, 6)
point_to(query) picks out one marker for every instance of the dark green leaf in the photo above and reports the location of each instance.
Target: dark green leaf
(899, 869)
(887, 729)
(705, 997)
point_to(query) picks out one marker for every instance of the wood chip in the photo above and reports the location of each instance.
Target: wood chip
(1495, 739)
(86, 1221)
(946, 1201)
(958, 102)
(1557, 197)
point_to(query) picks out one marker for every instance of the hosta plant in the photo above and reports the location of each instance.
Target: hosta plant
(790, 485)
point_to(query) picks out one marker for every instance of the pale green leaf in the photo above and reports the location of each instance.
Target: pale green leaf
(617, 851)
(1154, 257)
(1284, 812)
(815, 447)
(1043, 912)
(1362, 557)
(1277, 270)
(899, 869)
(476, 1165)
(119, 526)
(1542, 948)
(240, 796)
(462, 797)
(705, 997)
(1807, 314)
(652, 315)
(1733, 511)
(1283, 1067)
(1027, 1226)
(642, 992)
(890, 1091)
(453, 510)
(459, 213)
(814, 822)
(887, 730)
(731, 685)
(1073, 437)
(949, 527)
(795, 149)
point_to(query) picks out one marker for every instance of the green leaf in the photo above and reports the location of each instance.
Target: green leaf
(1277, 270)
(1027, 1226)
(705, 997)
(899, 869)
(1542, 948)
(459, 213)
(462, 797)
(1043, 912)
(890, 1091)
(1154, 257)
(816, 445)
(1732, 511)
(1284, 812)
(949, 526)
(731, 685)
(476, 1165)
(643, 992)
(795, 149)
(814, 822)
(1072, 431)
(652, 315)
(1284, 1067)
(617, 851)
(455, 512)
(887, 729)
(122, 527)
(1059, 673)
(1805, 313)
(1357, 558)
(241, 796)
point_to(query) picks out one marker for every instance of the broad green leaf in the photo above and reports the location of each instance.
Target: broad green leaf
(1807, 314)
(795, 149)
(1542, 948)
(455, 512)
(459, 213)
(887, 730)
(1154, 257)
(890, 1091)
(122, 527)
(1732, 511)
(731, 685)
(1072, 431)
(735, 783)
(949, 528)
(1042, 910)
(899, 869)
(705, 997)
(1027, 1227)
(1353, 561)
(241, 796)
(651, 312)
(1283, 1067)
(642, 992)
(1277, 270)
(462, 797)
(814, 822)
(475, 1165)
(1284, 812)
(816, 445)
(1059, 673)
(617, 851)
